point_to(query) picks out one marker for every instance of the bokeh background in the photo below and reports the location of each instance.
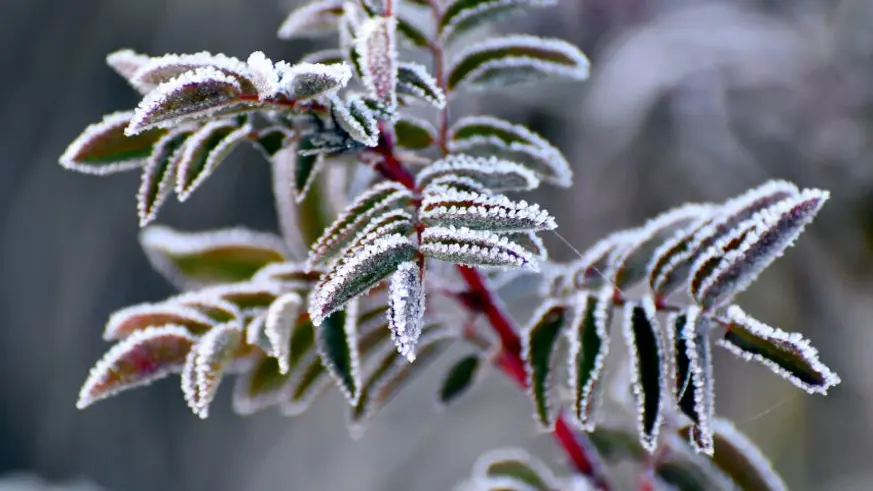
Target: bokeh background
(689, 100)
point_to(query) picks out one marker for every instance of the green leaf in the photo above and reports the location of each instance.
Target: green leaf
(103, 148)
(647, 367)
(516, 466)
(315, 18)
(589, 346)
(140, 359)
(307, 169)
(693, 383)
(414, 80)
(158, 175)
(411, 34)
(126, 321)
(262, 386)
(208, 360)
(204, 151)
(616, 444)
(741, 460)
(272, 139)
(540, 342)
(336, 339)
(414, 133)
(449, 207)
(204, 258)
(461, 16)
(493, 173)
(461, 377)
(480, 248)
(515, 59)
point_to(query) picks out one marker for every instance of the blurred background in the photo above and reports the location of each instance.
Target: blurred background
(689, 100)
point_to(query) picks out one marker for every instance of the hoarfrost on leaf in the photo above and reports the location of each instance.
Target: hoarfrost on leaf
(264, 75)
(407, 303)
(414, 80)
(158, 175)
(126, 62)
(539, 348)
(647, 367)
(742, 460)
(103, 148)
(337, 341)
(212, 353)
(376, 46)
(162, 69)
(493, 173)
(124, 322)
(450, 207)
(282, 317)
(475, 248)
(693, 383)
(204, 151)
(588, 338)
(315, 18)
(356, 119)
(460, 16)
(309, 80)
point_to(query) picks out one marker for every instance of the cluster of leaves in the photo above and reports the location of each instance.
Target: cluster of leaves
(692, 261)
(353, 302)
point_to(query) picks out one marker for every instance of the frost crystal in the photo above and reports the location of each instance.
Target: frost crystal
(376, 45)
(414, 80)
(126, 62)
(773, 230)
(264, 76)
(406, 298)
(788, 355)
(483, 212)
(212, 353)
(588, 339)
(360, 270)
(194, 164)
(494, 173)
(475, 248)
(312, 19)
(357, 120)
(647, 367)
(307, 80)
(337, 343)
(140, 359)
(392, 222)
(158, 175)
(195, 94)
(699, 405)
(460, 183)
(279, 324)
(516, 58)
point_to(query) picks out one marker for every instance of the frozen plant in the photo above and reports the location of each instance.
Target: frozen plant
(414, 220)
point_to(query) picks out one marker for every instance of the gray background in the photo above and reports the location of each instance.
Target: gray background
(690, 100)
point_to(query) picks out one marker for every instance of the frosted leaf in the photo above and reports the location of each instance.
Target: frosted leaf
(192, 259)
(589, 271)
(517, 468)
(539, 349)
(324, 57)
(196, 94)
(293, 274)
(497, 213)
(414, 133)
(315, 18)
(336, 338)
(513, 59)
(161, 69)
(693, 384)
(376, 45)
(647, 367)
(359, 271)
(741, 460)
(306, 386)
(281, 318)
(775, 229)
(733, 213)
(461, 16)
(493, 173)
(475, 248)
(458, 182)
(406, 314)
(204, 151)
(124, 322)
(460, 378)
(208, 303)
(158, 175)
(126, 62)
(283, 178)
(212, 353)
(356, 119)
(309, 80)
(307, 169)
(665, 270)
(629, 264)
(532, 243)
(379, 198)
(588, 338)
(414, 80)
(788, 355)
(249, 298)
(271, 140)
(254, 332)
(260, 387)
(487, 135)
(139, 359)
(103, 148)
(391, 371)
(410, 35)
(264, 76)
(392, 222)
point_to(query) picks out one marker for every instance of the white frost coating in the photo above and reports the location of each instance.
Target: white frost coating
(194, 146)
(583, 405)
(160, 107)
(264, 75)
(283, 167)
(244, 403)
(280, 322)
(556, 168)
(104, 367)
(295, 403)
(111, 122)
(513, 454)
(415, 80)
(307, 80)
(461, 183)
(407, 302)
(216, 156)
(214, 350)
(206, 300)
(648, 441)
(188, 381)
(544, 413)
(775, 229)
(158, 175)
(376, 45)
(323, 56)
(492, 172)
(128, 320)
(126, 62)
(161, 69)
(367, 205)
(483, 8)
(392, 222)
(312, 19)
(576, 66)
(479, 248)
(794, 342)
(700, 370)
(350, 330)
(255, 335)
(726, 431)
(324, 294)
(661, 267)
(161, 243)
(356, 119)
(496, 212)
(285, 272)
